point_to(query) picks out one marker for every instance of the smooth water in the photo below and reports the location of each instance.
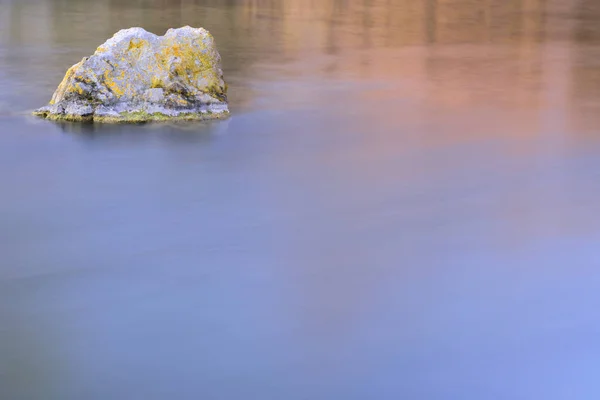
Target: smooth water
(405, 204)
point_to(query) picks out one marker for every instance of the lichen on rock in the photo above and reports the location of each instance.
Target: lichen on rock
(137, 76)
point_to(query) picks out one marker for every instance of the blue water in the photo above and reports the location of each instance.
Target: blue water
(403, 205)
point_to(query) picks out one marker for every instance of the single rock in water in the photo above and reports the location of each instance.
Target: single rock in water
(137, 76)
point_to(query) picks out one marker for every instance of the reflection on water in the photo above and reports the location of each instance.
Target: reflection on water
(427, 48)
(403, 205)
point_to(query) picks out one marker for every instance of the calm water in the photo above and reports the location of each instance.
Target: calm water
(404, 205)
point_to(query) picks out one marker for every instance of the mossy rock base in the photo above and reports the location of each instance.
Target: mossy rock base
(135, 117)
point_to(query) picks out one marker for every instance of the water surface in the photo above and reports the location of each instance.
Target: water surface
(404, 205)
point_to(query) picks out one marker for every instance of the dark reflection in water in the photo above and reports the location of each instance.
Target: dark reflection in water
(403, 205)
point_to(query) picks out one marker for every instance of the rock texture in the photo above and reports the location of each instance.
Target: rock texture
(137, 76)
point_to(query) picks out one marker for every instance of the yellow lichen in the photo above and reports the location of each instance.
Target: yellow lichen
(78, 88)
(65, 84)
(136, 44)
(156, 82)
(195, 64)
(112, 85)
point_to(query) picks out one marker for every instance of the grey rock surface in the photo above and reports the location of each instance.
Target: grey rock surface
(137, 76)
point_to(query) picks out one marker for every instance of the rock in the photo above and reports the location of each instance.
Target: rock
(137, 76)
